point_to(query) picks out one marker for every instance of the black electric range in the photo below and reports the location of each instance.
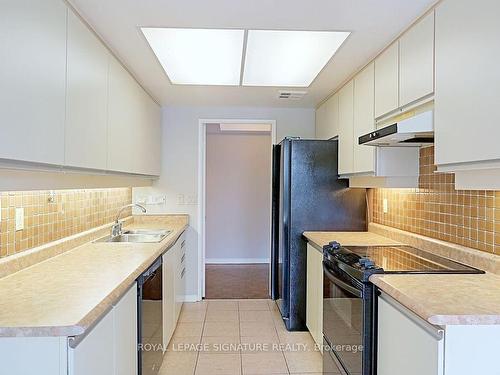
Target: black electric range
(349, 299)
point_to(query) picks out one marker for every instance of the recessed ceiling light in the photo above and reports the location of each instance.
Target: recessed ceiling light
(288, 58)
(198, 56)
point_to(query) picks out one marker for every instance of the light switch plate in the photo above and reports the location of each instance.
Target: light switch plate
(385, 205)
(19, 219)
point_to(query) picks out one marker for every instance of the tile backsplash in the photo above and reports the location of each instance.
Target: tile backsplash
(49, 216)
(466, 217)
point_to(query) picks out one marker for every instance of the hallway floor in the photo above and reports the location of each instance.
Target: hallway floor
(238, 337)
(237, 281)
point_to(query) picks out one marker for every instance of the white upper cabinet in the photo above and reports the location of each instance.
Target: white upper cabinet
(467, 82)
(122, 119)
(133, 125)
(346, 134)
(150, 140)
(321, 122)
(327, 119)
(364, 122)
(387, 81)
(86, 99)
(65, 101)
(33, 80)
(416, 59)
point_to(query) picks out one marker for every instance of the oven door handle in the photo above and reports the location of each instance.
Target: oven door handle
(334, 279)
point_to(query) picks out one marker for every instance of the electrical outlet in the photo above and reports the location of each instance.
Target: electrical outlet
(19, 219)
(385, 205)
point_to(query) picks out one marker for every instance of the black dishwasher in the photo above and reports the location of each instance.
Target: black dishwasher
(150, 320)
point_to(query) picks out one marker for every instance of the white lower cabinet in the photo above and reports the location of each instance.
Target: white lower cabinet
(180, 285)
(111, 346)
(410, 345)
(169, 317)
(94, 354)
(125, 334)
(407, 344)
(173, 286)
(314, 294)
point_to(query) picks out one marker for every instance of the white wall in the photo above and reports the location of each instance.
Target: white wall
(238, 196)
(179, 170)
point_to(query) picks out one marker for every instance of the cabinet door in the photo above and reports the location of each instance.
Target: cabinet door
(94, 354)
(364, 119)
(405, 346)
(386, 81)
(321, 122)
(467, 81)
(123, 117)
(148, 130)
(33, 80)
(314, 291)
(327, 119)
(181, 275)
(311, 293)
(168, 290)
(125, 334)
(319, 290)
(416, 59)
(86, 98)
(134, 132)
(346, 131)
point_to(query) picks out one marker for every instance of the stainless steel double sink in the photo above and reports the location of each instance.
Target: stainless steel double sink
(138, 236)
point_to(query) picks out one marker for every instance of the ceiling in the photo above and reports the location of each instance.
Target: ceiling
(373, 23)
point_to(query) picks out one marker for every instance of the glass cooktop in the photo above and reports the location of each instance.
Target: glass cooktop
(403, 259)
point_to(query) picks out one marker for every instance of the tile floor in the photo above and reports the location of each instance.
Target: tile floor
(238, 337)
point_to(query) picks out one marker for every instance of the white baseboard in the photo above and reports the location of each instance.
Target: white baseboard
(236, 260)
(191, 298)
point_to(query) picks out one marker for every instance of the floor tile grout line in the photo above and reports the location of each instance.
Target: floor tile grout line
(201, 339)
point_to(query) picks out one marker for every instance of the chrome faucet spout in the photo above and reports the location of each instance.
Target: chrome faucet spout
(143, 209)
(116, 229)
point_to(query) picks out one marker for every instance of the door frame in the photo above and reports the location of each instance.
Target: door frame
(202, 150)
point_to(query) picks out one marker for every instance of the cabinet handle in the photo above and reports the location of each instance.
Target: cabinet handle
(183, 272)
(183, 244)
(183, 257)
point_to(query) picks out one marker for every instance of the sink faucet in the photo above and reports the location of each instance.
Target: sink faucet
(116, 229)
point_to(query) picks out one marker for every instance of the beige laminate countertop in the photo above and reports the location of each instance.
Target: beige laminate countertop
(446, 299)
(319, 239)
(472, 299)
(65, 295)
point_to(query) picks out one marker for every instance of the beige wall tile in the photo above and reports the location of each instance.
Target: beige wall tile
(71, 212)
(437, 210)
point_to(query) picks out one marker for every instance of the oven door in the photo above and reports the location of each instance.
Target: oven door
(343, 320)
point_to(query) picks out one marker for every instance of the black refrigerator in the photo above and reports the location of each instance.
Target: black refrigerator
(307, 196)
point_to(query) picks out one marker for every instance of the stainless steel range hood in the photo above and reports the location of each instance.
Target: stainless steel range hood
(415, 131)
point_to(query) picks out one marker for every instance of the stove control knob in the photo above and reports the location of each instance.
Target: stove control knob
(366, 263)
(334, 245)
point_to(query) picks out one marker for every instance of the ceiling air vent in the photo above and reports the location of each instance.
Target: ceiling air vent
(291, 95)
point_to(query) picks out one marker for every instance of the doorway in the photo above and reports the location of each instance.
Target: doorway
(237, 207)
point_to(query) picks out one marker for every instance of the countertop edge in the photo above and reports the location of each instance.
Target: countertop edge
(309, 236)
